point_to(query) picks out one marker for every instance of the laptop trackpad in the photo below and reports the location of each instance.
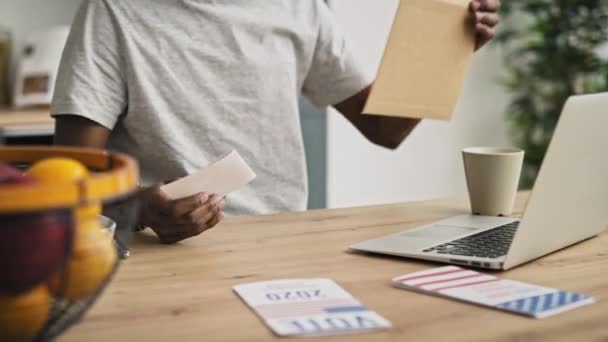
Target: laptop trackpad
(439, 232)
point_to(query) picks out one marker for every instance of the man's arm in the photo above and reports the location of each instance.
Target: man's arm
(72, 130)
(391, 131)
(385, 131)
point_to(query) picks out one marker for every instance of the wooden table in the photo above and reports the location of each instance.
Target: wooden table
(183, 292)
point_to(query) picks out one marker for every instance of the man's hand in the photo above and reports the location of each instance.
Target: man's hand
(176, 220)
(485, 18)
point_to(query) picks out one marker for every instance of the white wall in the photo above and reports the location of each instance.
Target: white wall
(23, 16)
(428, 165)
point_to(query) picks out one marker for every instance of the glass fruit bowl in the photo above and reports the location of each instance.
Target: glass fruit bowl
(108, 225)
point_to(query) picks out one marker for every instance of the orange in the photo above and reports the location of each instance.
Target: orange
(57, 169)
(92, 259)
(22, 316)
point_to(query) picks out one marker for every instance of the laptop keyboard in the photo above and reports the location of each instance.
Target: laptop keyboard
(492, 243)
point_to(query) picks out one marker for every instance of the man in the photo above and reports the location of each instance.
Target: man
(178, 83)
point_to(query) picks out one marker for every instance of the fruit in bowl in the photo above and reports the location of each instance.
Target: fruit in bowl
(91, 262)
(57, 169)
(32, 245)
(23, 315)
(12, 176)
(56, 192)
(93, 255)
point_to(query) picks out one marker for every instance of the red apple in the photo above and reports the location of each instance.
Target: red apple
(33, 245)
(11, 175)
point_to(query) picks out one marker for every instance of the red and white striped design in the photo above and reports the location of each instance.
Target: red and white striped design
(302, 308)
(443, 278)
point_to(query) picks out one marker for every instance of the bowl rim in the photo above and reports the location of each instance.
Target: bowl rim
(108, 224)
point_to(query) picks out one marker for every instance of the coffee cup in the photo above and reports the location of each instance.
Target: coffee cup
(492, 175)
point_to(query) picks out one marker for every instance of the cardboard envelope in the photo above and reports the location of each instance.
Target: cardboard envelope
(425, 61)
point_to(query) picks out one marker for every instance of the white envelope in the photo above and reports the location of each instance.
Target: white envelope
(309, 307)
(228, 174)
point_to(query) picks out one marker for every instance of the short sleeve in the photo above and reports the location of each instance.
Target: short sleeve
(334, 74)
(91, 78)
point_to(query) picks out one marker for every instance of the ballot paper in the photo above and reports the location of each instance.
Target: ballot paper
(222, 177)
(487, 290)
(309, 307)
(428, 53)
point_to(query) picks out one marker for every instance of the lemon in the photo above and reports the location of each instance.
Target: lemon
(91, 262)
(92, 258)
(22, 316)
(57, 169)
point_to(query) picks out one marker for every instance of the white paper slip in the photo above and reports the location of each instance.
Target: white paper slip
(222, 177)
(487, 290)
(309, 307)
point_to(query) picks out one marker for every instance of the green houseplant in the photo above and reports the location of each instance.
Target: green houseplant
(552, 49)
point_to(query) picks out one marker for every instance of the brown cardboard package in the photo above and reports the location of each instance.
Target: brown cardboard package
(425, 61)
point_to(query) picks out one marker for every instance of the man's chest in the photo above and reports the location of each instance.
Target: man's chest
(235, 39)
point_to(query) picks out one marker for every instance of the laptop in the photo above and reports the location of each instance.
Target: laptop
(569, 203)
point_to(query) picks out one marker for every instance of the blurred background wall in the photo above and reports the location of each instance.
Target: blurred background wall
(23, 16)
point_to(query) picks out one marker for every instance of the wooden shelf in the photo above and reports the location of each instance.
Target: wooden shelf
(18, 117)
(26, 122)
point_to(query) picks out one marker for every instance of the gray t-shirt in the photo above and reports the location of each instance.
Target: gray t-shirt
(182, 82)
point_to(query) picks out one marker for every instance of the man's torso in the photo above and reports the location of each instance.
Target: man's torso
(207, 77)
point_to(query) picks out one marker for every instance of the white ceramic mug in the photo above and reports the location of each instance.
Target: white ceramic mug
(492, 178)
